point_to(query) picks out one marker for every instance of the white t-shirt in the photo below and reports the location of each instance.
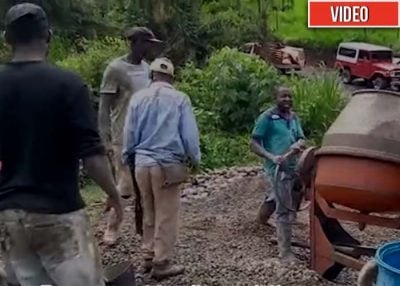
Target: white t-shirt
(123, 79)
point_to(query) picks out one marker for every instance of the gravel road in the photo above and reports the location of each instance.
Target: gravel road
(221, 244)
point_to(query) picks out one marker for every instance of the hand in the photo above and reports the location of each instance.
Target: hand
(279, 159)
(115, 204)
(299, 145)
(195, 168)
(109, 149)
(302, 143)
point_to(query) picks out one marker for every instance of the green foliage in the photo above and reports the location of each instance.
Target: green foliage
(227, 26)
(326, 38)
(61, 48)
(233, 86)
(318, 100)
(68, 17)
(91, 63)
(224, 150)
(4, 51)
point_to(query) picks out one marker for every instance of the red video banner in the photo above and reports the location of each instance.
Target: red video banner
(353, 14)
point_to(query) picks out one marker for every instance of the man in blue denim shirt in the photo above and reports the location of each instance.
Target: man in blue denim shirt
(160, 136)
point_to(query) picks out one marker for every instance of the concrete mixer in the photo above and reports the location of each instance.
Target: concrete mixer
(353, 176)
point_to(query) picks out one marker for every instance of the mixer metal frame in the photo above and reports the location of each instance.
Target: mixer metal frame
(332, 248)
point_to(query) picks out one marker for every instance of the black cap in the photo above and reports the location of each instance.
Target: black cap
(141, 32)
(21, 10)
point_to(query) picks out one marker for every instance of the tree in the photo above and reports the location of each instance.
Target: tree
(263, 18)
(67, 17)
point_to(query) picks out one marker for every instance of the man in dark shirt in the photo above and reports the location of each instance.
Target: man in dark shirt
(47, 125)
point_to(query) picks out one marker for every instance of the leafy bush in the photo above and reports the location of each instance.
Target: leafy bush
(224, 150)
(91, 63)
(227, 26)
(318, 100)
(233, 86)
(326, 38)
(4, 51)
(60, 49)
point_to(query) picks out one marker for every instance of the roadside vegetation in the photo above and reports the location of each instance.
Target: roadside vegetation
(292, 27)
(228, 88)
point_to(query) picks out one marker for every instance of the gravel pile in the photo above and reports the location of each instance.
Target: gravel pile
(202, 185)
(221, 244)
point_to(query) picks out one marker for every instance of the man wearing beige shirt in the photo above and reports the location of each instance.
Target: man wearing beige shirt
(123, 77)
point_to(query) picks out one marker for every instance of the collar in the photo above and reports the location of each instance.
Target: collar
(275, 111)
(125, 59)
(159, 84)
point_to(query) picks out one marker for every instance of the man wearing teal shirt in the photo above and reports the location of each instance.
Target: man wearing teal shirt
(278, 132)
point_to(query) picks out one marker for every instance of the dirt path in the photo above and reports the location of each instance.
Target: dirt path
(221, 244)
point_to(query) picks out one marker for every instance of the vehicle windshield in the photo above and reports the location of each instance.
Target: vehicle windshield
(382, 55)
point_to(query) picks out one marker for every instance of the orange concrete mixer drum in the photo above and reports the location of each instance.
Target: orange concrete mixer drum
(358, 164)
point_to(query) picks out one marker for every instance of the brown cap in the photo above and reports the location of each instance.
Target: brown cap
(19, 11)
(141, 32)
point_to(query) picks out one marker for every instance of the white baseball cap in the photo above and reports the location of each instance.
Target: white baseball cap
(162, 65)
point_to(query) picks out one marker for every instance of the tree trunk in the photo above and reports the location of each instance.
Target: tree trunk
(263, 18)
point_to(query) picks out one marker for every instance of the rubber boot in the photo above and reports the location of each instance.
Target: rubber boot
(166, 269)
(265, 212)
(284, 237)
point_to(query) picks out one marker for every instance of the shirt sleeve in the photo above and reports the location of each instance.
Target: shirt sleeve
(129, 134)
(82, 121)
(109, 83)
(189, 132)
(261, 127)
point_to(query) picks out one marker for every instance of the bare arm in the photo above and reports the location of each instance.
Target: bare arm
(256, 148)
(88, 144)
(98, 168)
(104, 121)
(108, 91)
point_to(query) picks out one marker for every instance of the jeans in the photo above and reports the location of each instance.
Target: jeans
(282, 193)
(57, 250)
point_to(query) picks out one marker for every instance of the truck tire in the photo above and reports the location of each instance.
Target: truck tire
(380, 83)
(345, 75)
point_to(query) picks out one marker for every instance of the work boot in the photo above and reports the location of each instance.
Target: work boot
(166, 269)
(265, 212)
(284, 237)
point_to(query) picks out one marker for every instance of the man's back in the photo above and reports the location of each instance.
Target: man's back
(164, 126)
(44, 128)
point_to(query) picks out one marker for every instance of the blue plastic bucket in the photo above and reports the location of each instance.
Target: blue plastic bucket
(388, 259)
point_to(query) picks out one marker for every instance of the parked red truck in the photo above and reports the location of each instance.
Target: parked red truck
(375, 64)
